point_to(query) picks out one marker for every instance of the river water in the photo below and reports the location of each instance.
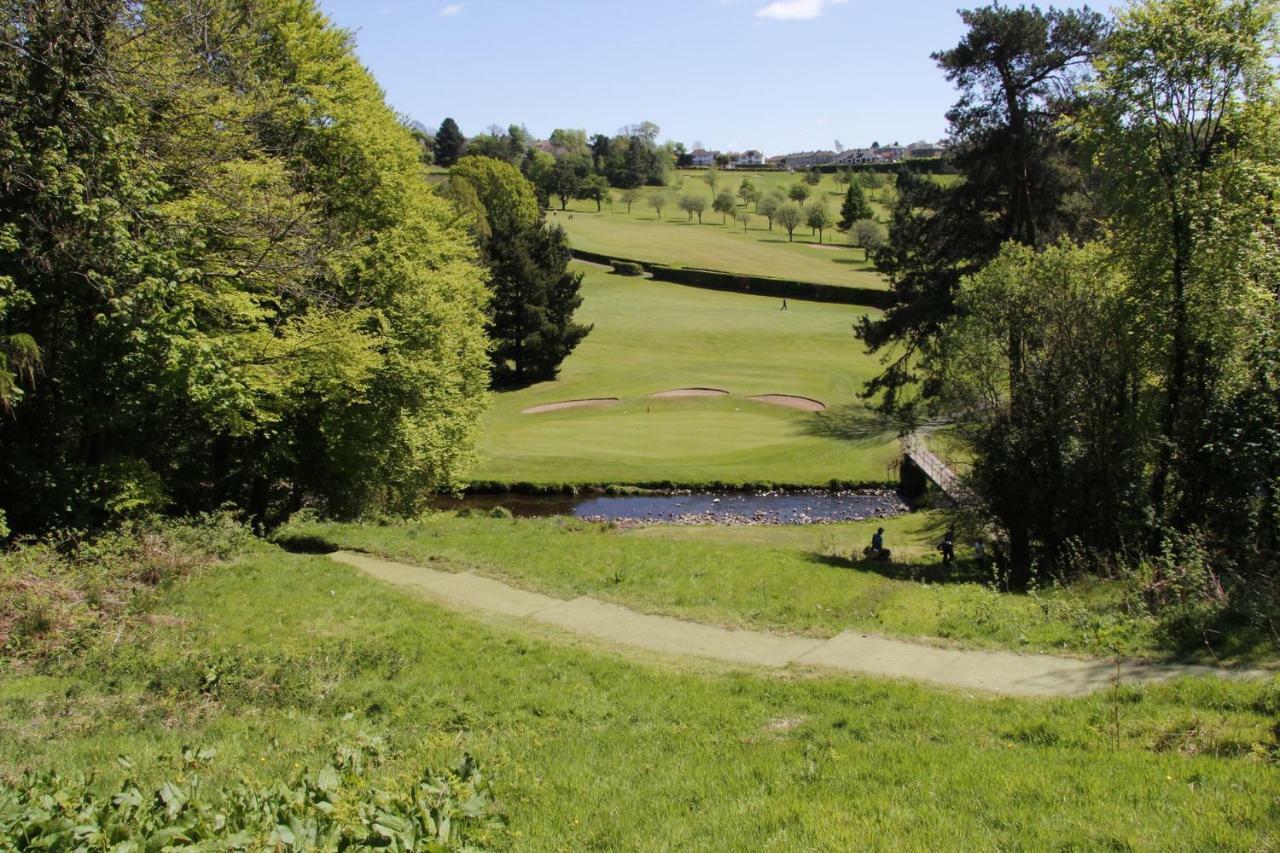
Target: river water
(802, 507)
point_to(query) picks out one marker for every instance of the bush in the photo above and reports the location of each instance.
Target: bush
(333, 808)
(57, 593)
(500, 512)
(627, 267)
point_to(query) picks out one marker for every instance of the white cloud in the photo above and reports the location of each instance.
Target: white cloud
(451, 10)
(796, 10)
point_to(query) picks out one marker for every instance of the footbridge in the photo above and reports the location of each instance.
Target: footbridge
(920, 463)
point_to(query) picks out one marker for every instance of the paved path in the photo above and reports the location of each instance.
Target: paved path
(851, 651)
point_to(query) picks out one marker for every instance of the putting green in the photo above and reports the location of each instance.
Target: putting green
(651, 337)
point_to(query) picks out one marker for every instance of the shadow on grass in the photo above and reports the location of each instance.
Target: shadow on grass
(296, 543)
(854, 422)
(962, 571)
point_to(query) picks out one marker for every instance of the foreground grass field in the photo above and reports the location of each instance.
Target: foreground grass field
(793, 579)
(651, 337)
(724, 246)
(273, 660)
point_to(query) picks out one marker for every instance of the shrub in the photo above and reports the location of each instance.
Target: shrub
(333, 808)
(500, 512)
(627, 267)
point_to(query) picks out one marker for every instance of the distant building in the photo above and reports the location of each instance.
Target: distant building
(805, 159)
(751, 157)
(855, 157)
(703, 157)
(926, 149)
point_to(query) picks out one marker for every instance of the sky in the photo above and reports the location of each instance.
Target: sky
(774, 75)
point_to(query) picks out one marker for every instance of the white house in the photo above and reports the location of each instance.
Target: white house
(703, 157)
(751, 157)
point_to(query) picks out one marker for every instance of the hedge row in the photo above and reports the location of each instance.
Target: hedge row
(755, 284)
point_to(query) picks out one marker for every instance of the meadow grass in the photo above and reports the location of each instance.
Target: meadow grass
(801, 579)
(652, 336)
(274, 659)
(718, 243)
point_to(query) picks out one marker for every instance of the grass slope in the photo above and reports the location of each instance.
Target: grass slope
(274, 659)
(718, 245)
(652, 336)
(794, 579)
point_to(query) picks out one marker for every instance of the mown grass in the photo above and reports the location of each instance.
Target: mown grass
(795, 579)
(652, 336)
(721, 243)
(273, 659)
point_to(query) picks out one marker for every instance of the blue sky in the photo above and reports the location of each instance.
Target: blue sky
(734, 74)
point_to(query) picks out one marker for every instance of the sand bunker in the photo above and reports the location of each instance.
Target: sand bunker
(804, 404)
(826, 247)
(569, 404)
(691, 392)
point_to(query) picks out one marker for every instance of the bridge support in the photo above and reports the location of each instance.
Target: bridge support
(912, 480)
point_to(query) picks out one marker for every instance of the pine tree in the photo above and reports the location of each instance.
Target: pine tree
(855, 207)
(449, 143)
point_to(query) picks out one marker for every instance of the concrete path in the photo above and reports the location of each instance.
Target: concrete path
(851, 651)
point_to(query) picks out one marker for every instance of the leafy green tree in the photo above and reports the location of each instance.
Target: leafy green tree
(724, 204)
(868, 235)
(239, 286)
(798, 193)
(449, 143)
(855, 207)
(630, 196)
(818, 217)
(744, 216)
(595, 188)
(712, 177)
(768, 206)
(813, 177)
(789, 216)
(658, 201)
(692, 203)
(1021, 178)
(539, 168)
(748, 192)
(1183, 131)
(566, 179)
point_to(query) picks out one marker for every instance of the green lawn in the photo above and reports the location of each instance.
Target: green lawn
(793, 579)
(273, 660)
(713, 245)
(653, 336)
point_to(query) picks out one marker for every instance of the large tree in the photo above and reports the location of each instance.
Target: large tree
(855, 207)
(240, 287)
(534, 293)
(1017, 70)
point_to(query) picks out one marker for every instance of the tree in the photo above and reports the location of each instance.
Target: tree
(571, 142)
(712, 177)
(789, 216)
(630, 196)
(868, 235)
(843, 177)
(768, 206)
(658, 201)
(855, 207)
(683, 158)
(1021, 179)
(744, 216)
(798, 193)
(724, 204)
(1060, 409)
(1183, 133)
(449, 143)
(566, 179)
(505, 198)
(595, 188)
(818, 217)
(813, 177)
(535, 297)
(692, 203)
(539, 168)
(748, 193)
(218, 240)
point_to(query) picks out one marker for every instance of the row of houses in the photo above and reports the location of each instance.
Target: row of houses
(703, 157)
(858, 156)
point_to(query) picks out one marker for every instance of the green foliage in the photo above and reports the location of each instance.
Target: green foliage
(335, 807)
(693, 203)
(854, 208)
(789, 216)
(725, 204)
(818, 217)
(507, 201)
(798, 193)
(238, 283)
(627, 267)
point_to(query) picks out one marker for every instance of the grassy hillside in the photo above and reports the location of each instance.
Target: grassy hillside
(797, 579)
(266, 664)
(713, 245)
(651, 337)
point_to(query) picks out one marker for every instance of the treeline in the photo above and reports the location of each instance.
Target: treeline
(569, 165)
(223, 277)
(1096, 303)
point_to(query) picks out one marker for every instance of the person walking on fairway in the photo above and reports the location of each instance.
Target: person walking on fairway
(948, 546)
(784, 305)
